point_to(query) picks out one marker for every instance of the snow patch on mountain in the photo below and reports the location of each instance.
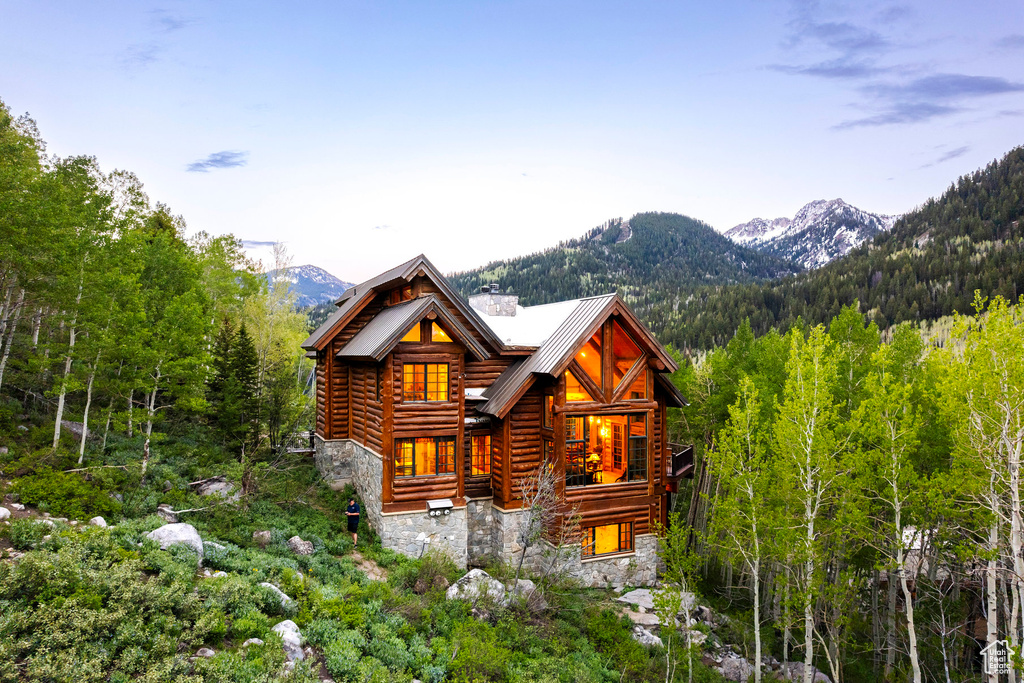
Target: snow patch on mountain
(821, 231)
(312, 285)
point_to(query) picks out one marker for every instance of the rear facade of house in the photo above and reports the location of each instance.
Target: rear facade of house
(438, 410)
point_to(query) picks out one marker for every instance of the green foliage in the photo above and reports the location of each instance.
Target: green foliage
(25, 533)
(65, 494)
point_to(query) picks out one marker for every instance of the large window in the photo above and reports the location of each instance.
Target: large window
(437, 334)
(574, 391)
(607, 539)
(425, 382)
(605, 449)
(425, 456)
(625, 353)
(479, 454)
(589, 358)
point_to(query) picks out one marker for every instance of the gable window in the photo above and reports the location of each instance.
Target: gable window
(605, 449)
(425, 382)
(574, 391)
(479, 454)
(607, 539)
(625, 353)
(437, 334)
(424, 456)
(638, 391)
(413, 335)
(589, 358)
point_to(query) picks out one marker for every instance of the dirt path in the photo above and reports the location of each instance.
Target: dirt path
(372, 570)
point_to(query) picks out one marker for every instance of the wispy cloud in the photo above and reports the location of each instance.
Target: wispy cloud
(140, 55)
(836, 68)
(225, 159)
(1013, 41)
(900, 112)
(257, 243)
(945, 87)
(951, 154)
(168, 23)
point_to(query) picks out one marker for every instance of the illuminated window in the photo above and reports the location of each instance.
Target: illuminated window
(574, 391)
(549, 452)
(413, 335)
(589, 358)
(625, 353)
(605, 449)
(479, 454)
(424, 456)
(425, 382)
(437, 334)
(639, 389)
(400, 295)
(549, 411)
(608, 539)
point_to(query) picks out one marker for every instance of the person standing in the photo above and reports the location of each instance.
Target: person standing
(353, 519)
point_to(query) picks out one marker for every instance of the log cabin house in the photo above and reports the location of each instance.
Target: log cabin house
(436, 409)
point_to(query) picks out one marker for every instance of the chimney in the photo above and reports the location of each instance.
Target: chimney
(490, 301)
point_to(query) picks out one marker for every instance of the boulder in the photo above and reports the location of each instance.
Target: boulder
(205, 652)
(292, 638)
(98, 521)
(252, 641)
(178, 534)
(645, 637)
(527, 590)
(285, 600)
(167, 486)
(3, 450)
(736, 669)
(4, 514)
(300, 547)
(794, 671)
(261, 538)
(476, 584)
(166, 513)
(17, 507)
(218, 486)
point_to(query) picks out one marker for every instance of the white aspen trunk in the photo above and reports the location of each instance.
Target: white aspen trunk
(15, 315)
(37, 322)
(908, 600)
(992, 617)
(786, 635)
(131, 414)
(808, 606)
(151, 413)
(85, 413)
(145, 461)
(757, 609)
(67, 366)
(5, 308)
(890, 627)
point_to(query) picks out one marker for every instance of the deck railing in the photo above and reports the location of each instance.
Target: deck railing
(681, 463)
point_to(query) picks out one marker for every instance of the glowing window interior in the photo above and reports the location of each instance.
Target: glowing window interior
(639, 389)
(589, 358)
(437, 334)
(574, 391)
(625, 353)
(413, 335)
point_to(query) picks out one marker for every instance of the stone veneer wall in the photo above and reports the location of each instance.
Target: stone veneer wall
(343, 461)
(475, 533)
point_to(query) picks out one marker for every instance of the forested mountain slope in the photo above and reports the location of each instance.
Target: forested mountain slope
(648, 260)
(926, 267)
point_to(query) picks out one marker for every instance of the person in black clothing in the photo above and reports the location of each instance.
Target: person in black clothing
(353, 519)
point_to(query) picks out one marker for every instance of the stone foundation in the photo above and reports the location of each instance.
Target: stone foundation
(474, 534)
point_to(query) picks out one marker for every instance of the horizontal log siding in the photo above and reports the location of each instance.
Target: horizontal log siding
(481, 374)
(426, 418)
(339, 399)
(497, 457)
(524, 439)
(321, 397)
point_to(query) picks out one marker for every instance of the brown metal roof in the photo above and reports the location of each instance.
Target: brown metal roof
(671, 389)
(387, 328)
(355, 297)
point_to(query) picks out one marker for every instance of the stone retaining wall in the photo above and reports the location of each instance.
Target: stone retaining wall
(414, 533)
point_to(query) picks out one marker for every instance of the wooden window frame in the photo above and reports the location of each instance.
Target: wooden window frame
(480, 460)
(410, 396)
(449, 458)
(627, 540)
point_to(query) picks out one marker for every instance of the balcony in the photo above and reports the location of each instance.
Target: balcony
(681, 462)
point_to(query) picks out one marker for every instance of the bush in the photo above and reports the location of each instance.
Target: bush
(480, 655)
(25, 533)
(65, 495)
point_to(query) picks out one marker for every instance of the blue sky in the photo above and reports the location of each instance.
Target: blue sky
(362, 133)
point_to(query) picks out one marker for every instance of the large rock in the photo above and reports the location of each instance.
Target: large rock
(219, 486)
(645, 637)
(285, 600)
(794, 671)
(476, 584)
(300, 547)
(527, 590)
(4, 514)
(292, 638)
(736, 669)
(98, 521)
(261, 538)
(178, 534)
(166, 513)
(643, 599)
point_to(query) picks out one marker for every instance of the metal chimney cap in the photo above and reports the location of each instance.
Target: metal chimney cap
(494, 288)
(485, 289)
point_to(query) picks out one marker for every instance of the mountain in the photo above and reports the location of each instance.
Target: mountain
(821, 231)
(312, 285)
(651, 260)
(926, 267)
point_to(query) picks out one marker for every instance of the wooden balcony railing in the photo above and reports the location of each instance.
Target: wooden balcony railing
(681, 462)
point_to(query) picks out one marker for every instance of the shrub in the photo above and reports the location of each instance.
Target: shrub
(480, 655)
(64, 494)
(25, 533)
(252, 624)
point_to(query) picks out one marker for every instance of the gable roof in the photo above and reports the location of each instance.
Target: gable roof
(379, 336)
(580, 317)
(354, 298)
